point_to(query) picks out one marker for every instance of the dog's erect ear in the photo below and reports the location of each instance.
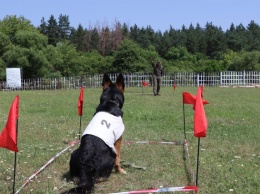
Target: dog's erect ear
(106, 81)
(120, 82)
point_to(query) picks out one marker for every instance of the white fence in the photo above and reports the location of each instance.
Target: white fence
(226, 78)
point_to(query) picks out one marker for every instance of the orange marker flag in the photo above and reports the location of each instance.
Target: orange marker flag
(200, 120)
(174, 86)
(80, 101)
(8, 137)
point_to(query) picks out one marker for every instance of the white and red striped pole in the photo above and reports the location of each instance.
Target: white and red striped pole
(160, 190)
(71, 144)
(155, 142)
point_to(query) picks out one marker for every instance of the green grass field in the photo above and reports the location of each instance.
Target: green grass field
(229, 155)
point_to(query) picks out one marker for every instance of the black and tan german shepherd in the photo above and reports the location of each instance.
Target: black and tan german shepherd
(99, 150)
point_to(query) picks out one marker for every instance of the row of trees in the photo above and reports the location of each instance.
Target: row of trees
(56, 49)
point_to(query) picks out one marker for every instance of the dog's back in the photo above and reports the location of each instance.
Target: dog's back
(95, 157)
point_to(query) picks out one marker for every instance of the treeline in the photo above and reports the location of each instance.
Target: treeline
(55, 48)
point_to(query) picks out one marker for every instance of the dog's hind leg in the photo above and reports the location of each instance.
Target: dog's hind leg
(117, 161)
(74, 163)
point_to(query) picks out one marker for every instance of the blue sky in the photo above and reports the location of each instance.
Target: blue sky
(159, 14)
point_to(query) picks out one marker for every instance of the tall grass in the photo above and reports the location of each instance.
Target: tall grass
(229, 155)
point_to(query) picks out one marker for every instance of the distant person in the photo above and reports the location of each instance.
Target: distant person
(157, 76)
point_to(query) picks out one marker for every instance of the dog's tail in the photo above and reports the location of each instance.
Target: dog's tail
(78, 190)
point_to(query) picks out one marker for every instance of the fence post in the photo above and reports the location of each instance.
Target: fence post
(244, 78)
(198, 80)
(220, 78)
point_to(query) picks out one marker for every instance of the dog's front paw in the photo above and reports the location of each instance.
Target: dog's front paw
(120, 170)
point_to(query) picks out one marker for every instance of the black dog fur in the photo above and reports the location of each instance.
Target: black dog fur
(94, 159)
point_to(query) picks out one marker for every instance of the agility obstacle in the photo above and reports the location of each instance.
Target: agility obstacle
(190, 188)
(200, 126)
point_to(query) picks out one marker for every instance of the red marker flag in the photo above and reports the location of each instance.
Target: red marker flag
(145, 84)
(8, 137)
(174, 86)
(80, 101)
(190, 99)
(200, 120)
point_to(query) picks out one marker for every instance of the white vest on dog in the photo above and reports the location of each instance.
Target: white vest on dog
(107, 127)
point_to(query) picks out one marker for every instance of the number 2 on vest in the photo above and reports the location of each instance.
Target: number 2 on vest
(106, 123)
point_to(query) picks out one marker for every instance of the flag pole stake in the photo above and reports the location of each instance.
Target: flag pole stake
(15, 157)
(79, 127)
(184, 125)
(198, 155)
(14, 172)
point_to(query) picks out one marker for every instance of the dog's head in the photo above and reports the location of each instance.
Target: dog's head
(112, 97)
